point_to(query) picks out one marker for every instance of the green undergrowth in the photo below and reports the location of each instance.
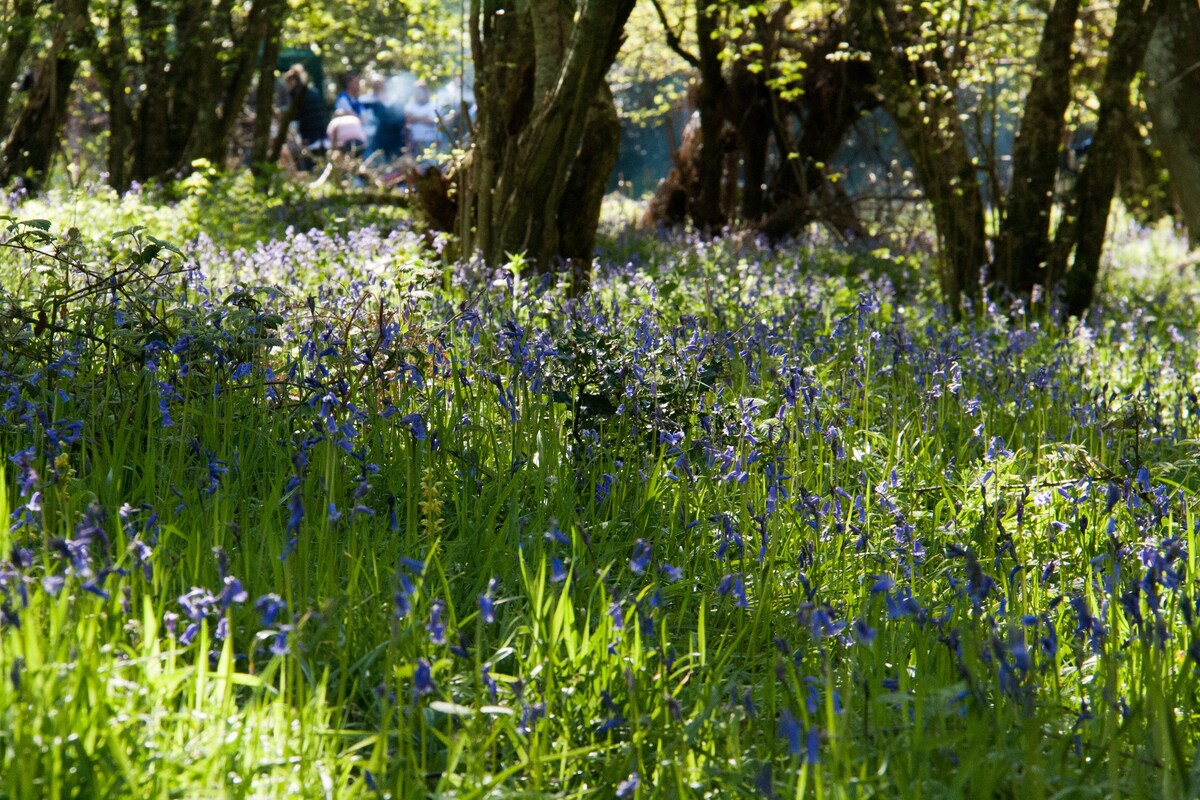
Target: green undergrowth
(329, 516)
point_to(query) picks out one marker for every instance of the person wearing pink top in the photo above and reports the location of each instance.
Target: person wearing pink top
(345, 133)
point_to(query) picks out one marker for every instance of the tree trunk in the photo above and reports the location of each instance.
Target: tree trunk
(16, 42)
(37, 133)
(924, 106)
(264, 100)
(580, 209)
(1172, 86)
(198, 64)
(1087, 224)
(706, 211)
(534, 106)
(110, 63)
(1023, 245)
(251, 43)
(151, 148)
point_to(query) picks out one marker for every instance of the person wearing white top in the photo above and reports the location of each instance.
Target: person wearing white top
(421, 117)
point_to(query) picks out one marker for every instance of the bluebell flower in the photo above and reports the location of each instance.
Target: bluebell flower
(628, 787)
(296, 509)
(557, 536)
(902, 604)
(641, 557)
(789, 729)
(882, 583)
(617, 615)
(812, 746)
(558, 571)
(196, 603)
(487, 606)
(485, 674)
(403, 597)
(604, 487)
(416, 425)
(609, 724)
(233, 592)
(189, 635)
(530, 714)
(416, 566)
(279, 643)
(269, 607)
(436, 627)
(423, 678)
(733, 585)
(461, 646)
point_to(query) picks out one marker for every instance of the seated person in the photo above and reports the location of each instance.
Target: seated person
(386, 135)
(389, 136)
(306, 110)
(347, 99)
(345, 133)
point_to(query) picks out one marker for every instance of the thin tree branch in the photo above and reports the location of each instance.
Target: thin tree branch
(673, 39)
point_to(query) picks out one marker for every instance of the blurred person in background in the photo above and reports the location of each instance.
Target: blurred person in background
(421, 117)
(346, 133)
(347, 99)
(306, 112)
(383, 122)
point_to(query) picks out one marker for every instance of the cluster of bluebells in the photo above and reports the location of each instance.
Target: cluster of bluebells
(770, 397)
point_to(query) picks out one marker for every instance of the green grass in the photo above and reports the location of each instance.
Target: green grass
(739, 522)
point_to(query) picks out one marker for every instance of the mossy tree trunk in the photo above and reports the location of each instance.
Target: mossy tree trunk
(264, 99)
(16, 37)
(1022, 248)
(37, 133)
(919, 90)
(1085, 222)
(544, 127)
(1171, 89)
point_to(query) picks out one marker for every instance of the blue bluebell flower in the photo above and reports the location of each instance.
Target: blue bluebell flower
(423, 678)
(641, 557)
(269, 606)
(436, 627)
(628, 787)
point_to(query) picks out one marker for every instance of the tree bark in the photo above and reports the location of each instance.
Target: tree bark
(195, 88)
(110, 62)
(1087, 223)
(707, 212)
(777, 199)
(924, 106)
(534, 106)
(16, 43)
(1172, 86)
(264, 100)
(580, 209)
(37, 133)
(1022, 248)
(151, 146)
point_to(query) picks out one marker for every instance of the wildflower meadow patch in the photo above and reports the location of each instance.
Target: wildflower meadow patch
(330, 516)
